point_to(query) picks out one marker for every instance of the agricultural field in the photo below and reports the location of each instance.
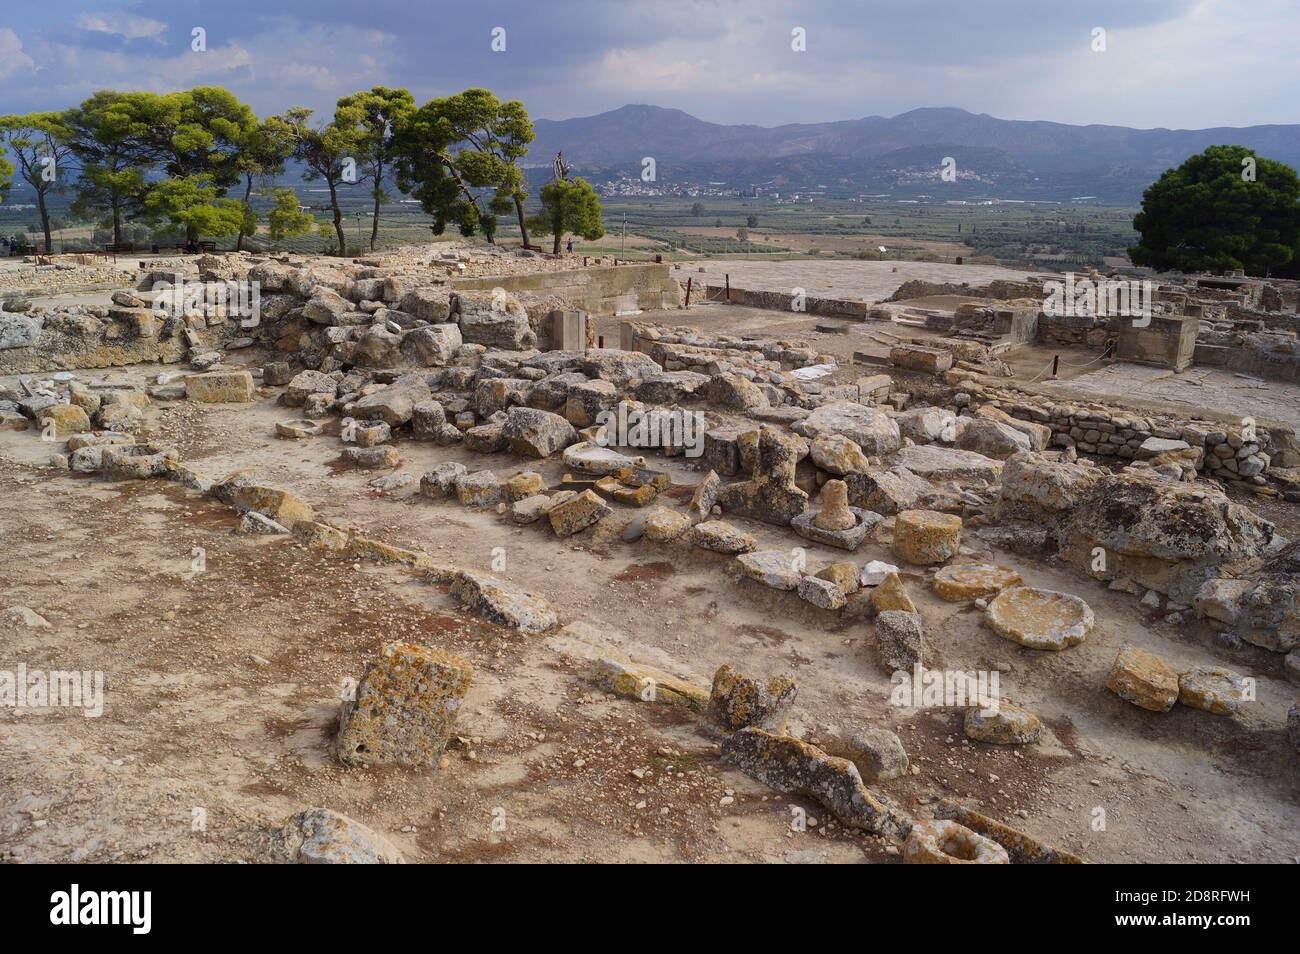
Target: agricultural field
(1058, 236)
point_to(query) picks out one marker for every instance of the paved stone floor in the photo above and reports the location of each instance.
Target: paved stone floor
(868, 281)
(1199, 389)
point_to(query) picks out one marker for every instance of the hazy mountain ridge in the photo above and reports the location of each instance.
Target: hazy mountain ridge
(1039, 156)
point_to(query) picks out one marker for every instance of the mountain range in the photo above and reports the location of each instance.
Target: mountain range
(900, 154)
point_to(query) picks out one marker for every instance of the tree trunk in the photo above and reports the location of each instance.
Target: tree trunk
(523, 229)
(117, 223)
(464, 189)
(248, 193)
(45, 221)
(374, 221)
(556, 249)
(338, 219)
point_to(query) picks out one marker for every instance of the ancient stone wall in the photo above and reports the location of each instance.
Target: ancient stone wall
(598, 290)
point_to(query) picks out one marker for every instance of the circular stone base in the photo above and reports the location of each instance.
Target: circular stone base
(970, 581)
(947, 843)
(1040, 619)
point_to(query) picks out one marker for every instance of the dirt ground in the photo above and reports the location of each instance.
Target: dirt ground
(222, 686)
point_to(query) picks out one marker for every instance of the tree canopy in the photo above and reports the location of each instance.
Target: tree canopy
(1222, 209)
(568, 205)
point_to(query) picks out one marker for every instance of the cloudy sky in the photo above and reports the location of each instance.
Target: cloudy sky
(1173, 63)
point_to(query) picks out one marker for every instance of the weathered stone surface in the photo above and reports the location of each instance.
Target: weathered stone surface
(662, 525)
(737, 701)
(535, 433)
(255, 523)
(844, 575)
(1009, 725)
(1022, 849)
(297, 429)
(19, 331)
(371, 434)
(943, 464)
(940, 842)
(900, 641)
(220, 387)
(1034, 486)
(972, 581)
(529, 510)
(1212, 689)
(395, 404)
(1040, 435)
(503, 324)
(307, 383)
(887, 492)
(482, 488)
(925, 425)
(705, 496)
(837, 454)
(586, 401)
(487, 438)
(1040, 619)
(440, 481)
(578, 513)
(774, 568)
(428, 304)
(405, 707)
(371, 458)
(63, 420)
(319, 836)
(428, 418)
(916, 357)
(525, 484)
(721, 537)
(732, 391)
(878, 754)
(1169, 536)
(891, 594)
(278, 505)
(377, 347)
(822, 593)
(795, 767)
(646, 684)
(503, 603)
(669, 387)
(875, 433)
(990, 438)
(432, 345)
(1143, 679)
(926, 537)
(319, 536)
(618, 367)
(590, 458)
(771, 495)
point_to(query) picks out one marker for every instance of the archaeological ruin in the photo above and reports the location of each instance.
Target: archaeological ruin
(455, 552)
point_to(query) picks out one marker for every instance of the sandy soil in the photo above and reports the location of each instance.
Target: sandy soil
(222, 687)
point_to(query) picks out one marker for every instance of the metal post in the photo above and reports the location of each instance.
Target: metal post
(728, 277)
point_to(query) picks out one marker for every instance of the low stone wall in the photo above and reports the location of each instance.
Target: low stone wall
(600, 290)
(781, 301)
(1237, 452)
